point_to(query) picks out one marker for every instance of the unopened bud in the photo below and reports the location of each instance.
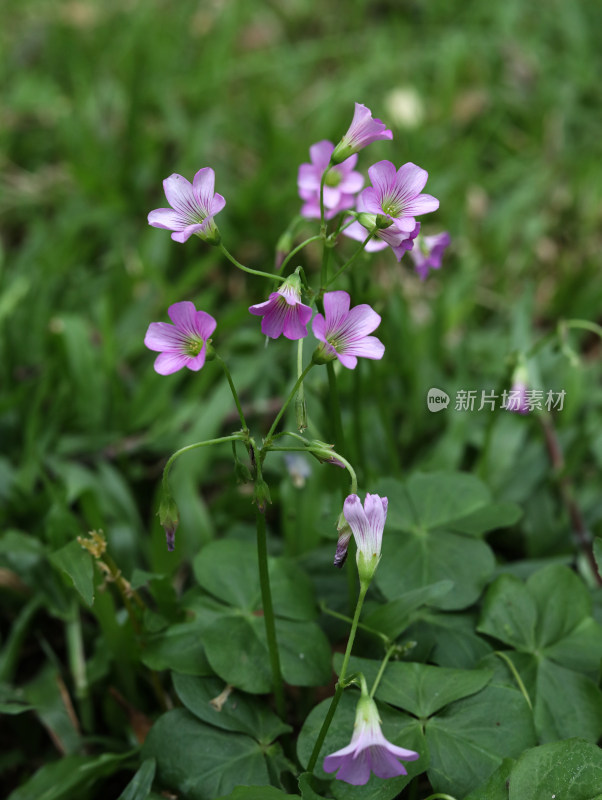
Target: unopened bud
(168, 517)
(324, 453)
(343, 541)
(261, 495)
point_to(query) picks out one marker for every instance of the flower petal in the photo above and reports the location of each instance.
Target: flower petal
(195, 363)
(204, 188)
(318, 326)
(370, 201)
(336, 307)
(356, 770)
(168, 363)
(183, 317)
(216, 205)
(320, 153)
(360, 321)
(410, 180)
(384, 763)
(368, 347)
(205, 324)
(347, 360)
(383, 175)
(358, 522)
(351, 183)
(180, 195)
(185, 234)
(162, 336)
(166, 218)
(423, 204)
(308, 178)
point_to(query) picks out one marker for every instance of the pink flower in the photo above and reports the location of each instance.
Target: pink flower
(193, 207)
(344, 332)
(367, 524)
(363, 131)
(399, 241)
(428, 253)
(395, 195)
(368, 751)
(340, 186)
(283, 312)
(183, 344)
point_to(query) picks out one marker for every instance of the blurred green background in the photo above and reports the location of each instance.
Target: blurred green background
(500, 102)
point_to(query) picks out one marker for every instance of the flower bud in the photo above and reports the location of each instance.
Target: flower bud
(344, 531)
(168, 517)
(261, 495)
(324, 453)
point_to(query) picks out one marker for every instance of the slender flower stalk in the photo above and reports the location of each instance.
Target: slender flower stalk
(261, 274)
(298, 383)
(266, 599)
(234, 392)
(364, 246)
(296, 250)
(341, 681)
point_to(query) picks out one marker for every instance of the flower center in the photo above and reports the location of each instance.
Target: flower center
(333, 178)
(392, 207)
(194, 346)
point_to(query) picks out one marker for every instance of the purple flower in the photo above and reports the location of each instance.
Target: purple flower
(340, 186)
(516, 399)
(368, 751)
(284, 313)
(428, 252)
(399, 241)
(363, 131)
(193, 207)
(395, 195)
(367, 524)
(183, 344)
(344, 332)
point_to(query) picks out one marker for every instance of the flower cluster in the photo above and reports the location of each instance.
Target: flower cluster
(383, 214)
(386, 211)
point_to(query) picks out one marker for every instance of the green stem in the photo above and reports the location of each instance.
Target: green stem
(236, 263)
(234, 392)
(583, 324)
(517, 677)
(345, 618)
(298, 383)
(381, 671)
(77, 664)
(335, 408)
(232, 438)
(350, 262)
(307, 449)
(296, 250)
(341, 681)
(268, 611)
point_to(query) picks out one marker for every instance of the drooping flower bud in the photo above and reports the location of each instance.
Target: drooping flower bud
(168, 517)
